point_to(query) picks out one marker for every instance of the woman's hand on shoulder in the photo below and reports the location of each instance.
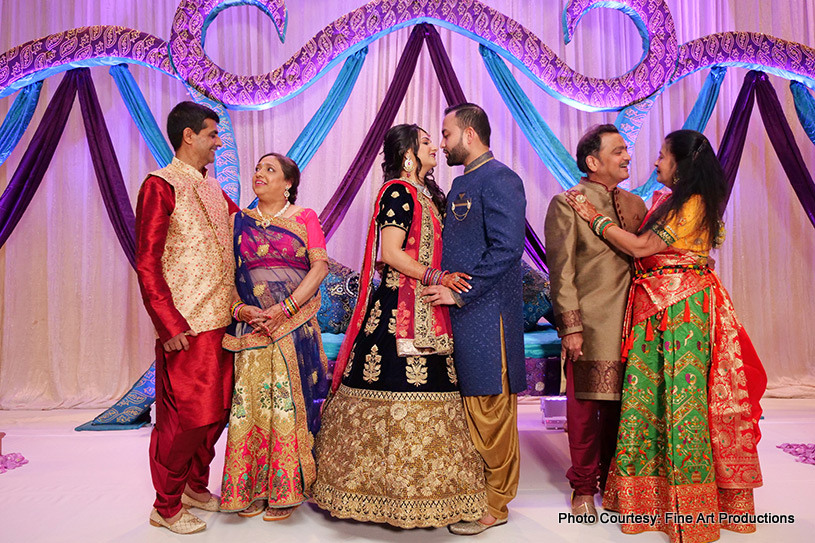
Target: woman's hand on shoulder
(580, 204)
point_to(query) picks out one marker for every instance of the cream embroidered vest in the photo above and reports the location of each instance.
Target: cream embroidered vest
(198, 262)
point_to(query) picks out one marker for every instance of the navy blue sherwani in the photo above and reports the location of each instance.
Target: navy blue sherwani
(484, 237)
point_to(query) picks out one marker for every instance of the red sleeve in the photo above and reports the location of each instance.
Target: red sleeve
(233, 207)
(155, 204)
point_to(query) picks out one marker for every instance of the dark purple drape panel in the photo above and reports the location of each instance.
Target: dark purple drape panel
(757, 86)
(106, 166)
(443, 68)
(454, 95)
(28, 176)
(732, 144)
(778, 129)
(338, 206)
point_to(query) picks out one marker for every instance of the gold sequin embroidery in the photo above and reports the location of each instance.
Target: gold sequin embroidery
(416, 370)
(373, 319)
(392, 280)
(373, 368)
(451, 371)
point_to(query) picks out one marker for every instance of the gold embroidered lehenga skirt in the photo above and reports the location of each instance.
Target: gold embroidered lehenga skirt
(394, 445)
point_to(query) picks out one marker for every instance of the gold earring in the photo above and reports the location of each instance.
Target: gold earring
(408, 165)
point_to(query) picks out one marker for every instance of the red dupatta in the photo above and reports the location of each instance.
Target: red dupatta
(421, 329)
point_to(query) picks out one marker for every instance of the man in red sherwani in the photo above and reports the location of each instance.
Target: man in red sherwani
(186, 271)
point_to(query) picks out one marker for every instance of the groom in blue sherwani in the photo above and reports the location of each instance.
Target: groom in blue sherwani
(484, 238)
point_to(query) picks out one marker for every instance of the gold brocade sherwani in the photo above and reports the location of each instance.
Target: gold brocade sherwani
(199, 267)
(590, 281)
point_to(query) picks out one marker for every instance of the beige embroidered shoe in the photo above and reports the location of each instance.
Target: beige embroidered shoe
(474, 527)
(214, 503)
(583, 506)
(187, 524)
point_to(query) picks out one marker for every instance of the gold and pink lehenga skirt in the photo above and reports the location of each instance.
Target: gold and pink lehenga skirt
(279, 381)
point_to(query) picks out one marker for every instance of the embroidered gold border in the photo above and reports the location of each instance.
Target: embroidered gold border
(598, 379)
(389, 396)
(305, 440)
(425, 341)
(317, 254)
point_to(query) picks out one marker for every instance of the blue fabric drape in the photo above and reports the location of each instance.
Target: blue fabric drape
(227, 169)
(804, 107)
(630, 120)
(697, 120)
(313, 135)
(17, 119)
(553, 154)
(142, 116)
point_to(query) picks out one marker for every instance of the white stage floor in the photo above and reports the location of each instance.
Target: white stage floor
(95, 487)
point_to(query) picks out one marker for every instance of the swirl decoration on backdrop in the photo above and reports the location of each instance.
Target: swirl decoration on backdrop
(663, 62)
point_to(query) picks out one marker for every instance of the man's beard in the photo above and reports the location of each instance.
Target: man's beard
(456, 155)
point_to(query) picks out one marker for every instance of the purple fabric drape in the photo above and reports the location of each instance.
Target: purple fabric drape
(778, 129)
(28, 176)
(338, 206)
(732, 144)
(454, 95)
(106, 165)
(757, 86)
(443, 68)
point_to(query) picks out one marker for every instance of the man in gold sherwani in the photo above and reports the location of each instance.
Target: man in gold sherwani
(590, 281)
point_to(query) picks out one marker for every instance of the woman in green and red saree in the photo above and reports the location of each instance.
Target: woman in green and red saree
(280, 366)
(394, 445)
(686, 447)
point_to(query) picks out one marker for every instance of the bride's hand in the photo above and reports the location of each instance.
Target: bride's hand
(581, 205)
(456, 281)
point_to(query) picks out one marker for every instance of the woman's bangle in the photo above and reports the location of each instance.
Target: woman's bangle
(605, 229)
(599, 224)
(290, 306)
(432, 276)
(236, 309)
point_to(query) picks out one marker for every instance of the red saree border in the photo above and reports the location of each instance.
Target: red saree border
(687, 513)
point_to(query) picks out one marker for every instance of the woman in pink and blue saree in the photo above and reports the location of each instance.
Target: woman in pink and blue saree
(280, 366)
(686, 447)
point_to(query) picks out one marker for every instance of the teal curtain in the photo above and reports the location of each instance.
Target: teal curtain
(17, 118)
(142, 116)
(804, 107)
(697, 120)
(227, 164)
(313, 135)
(553, 154)
(630, 120)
